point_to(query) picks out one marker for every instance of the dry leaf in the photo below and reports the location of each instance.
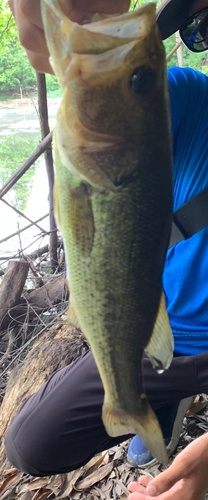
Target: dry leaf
(26, 496)
(95, 464)
(76, 495)
(10, 480)
(10, 472)
(97, 491)
(95, 477)
(40, 482)
(9, 494)
(70, 481)
(119, 453)
(40, 494)
(122, 487)
(199, 403)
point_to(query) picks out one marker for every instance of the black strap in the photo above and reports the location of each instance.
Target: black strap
(190, 218)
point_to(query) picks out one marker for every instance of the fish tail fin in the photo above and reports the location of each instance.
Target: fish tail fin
(146, 426)
(160, 346)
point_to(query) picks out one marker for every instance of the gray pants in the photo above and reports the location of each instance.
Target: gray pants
(59, 428)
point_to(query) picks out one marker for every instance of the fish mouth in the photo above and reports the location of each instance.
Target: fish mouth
(101, 36)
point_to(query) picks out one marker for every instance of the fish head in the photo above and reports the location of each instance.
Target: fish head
(113, 75)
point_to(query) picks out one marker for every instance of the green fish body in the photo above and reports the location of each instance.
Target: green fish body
(113, 200)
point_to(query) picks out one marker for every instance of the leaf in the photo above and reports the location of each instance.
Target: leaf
(27, 495)
(40, 482)
(10, 480)
(40, 494)
(10, 472)
(119, 454)
(122, 488)
(94, 463)
(95, 477)
(70, 482)
(9, 494)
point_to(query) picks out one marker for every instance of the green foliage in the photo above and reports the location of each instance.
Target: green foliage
(8, 29)
(15, 70)
(53, 87)
(13, 152)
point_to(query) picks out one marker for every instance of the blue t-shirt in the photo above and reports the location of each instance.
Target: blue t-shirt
(185, 275)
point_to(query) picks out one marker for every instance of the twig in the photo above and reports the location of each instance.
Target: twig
(23, 215)
(6, 27)
(31, 340)
(168, 57)
(26, 165)
(24, 229)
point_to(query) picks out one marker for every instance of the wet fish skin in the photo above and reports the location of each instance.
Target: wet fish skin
(113, 197)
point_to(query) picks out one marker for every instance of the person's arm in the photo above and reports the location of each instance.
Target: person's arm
(27, 15)
(185, 479)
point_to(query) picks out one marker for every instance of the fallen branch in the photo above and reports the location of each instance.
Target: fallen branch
(36, 301)
(12, 286)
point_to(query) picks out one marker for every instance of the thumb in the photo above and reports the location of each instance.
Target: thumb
(165, 480)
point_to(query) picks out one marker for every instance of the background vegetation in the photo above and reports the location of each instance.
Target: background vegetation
(16, 72)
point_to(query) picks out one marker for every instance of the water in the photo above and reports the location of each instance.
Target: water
(19, 136)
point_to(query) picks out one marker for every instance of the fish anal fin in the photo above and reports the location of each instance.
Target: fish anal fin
(72, 317)
(81, 219)
(160, 346)
(146, 426)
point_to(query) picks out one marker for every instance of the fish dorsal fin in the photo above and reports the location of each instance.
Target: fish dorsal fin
(160, 346)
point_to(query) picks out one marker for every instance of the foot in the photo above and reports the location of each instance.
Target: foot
(170, 418)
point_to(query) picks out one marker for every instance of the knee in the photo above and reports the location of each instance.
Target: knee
(16, 454)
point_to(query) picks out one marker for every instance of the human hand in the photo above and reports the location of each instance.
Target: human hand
(27, 14)
(185, 479)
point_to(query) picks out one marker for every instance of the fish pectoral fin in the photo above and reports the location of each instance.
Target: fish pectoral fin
(81, 219)
(146, 426)
(72, 317)
(160, 346)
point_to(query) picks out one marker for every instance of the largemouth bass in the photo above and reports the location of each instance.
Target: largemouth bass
(113, 200)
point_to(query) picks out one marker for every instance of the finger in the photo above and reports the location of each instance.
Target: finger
(137, 496)
(32, 11)
(77, 10)
(134, 486)
(39, 63)
(167, 479)
(144, 480)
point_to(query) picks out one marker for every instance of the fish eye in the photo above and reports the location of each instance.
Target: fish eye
(142, 80)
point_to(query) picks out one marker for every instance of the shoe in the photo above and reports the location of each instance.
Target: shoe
(171, 419)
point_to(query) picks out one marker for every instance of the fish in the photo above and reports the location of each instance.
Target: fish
(113, 200)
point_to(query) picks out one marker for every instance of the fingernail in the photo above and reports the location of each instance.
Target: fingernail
(151, 491)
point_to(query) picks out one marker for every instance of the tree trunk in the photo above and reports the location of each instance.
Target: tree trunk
(44, 127)
(57, 347)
